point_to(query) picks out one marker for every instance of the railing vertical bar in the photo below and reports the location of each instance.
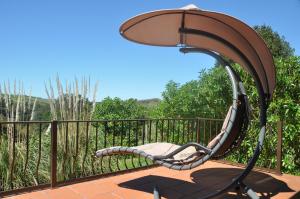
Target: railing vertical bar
(132, 162)
(139, 158)
(96, 138)
(27, 148)
(143, 133)
(156, 130)
(114, 132)
(40, 153)
(53, 153)
(210, 130)
(193, 129)
(67, 137)
(105, 133)
(13, 156)
(162, 131)
(217, 128)
(150, 130)
(279, 146)
(136, 133)
(173, 130)
(117, 157)
(118, 167)
(188, 131)
(122, 132)
(101, 164)
(76, 148)
(65, 150)
(198, 130)
(86, 147)
(125, 162)
(146, 161)
(129, 136)
(77, 140)
(183, 129)
(178, 131)
(194, 132)
(168, 129)
(96, 147)
(109, 164)
(204, 132)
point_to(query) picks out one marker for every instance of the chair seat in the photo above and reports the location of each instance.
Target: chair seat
(155, 149)
(164, 148)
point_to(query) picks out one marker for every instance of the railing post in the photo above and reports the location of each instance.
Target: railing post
(279, 146)
(53, 153)
(198, 130)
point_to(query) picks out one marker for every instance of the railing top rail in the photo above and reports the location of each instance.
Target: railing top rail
(25, 122)
(112, 120)
(148, 119)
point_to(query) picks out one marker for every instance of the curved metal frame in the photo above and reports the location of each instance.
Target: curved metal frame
(242, 92)
(263, 118)
(236, 91)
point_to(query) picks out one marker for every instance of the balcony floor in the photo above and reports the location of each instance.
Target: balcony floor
(190, 184)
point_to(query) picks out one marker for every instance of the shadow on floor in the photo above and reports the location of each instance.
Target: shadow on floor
(207, 181)
(296, 196)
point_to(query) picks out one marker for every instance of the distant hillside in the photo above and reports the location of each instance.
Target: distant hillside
(149, 102)
(42, 109)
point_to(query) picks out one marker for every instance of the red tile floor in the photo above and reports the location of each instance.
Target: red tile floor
(190, 184)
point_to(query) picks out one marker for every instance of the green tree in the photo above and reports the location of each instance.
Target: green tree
(277, 44)
(206, 97)
(118, 109)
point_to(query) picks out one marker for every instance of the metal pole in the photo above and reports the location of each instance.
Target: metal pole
(198, 130)
(53, 153)
(279, 146)
(156, 193)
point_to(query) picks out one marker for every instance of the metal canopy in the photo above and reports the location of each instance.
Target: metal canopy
(189, 26)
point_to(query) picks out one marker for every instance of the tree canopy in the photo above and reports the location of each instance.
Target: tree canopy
(116, 108)
(277, 44)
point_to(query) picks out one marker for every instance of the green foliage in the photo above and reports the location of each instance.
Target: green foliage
(206, 97)
(284, 107)
(277, 44)
(118, 109)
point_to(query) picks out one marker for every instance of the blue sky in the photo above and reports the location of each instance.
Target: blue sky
(39, 39)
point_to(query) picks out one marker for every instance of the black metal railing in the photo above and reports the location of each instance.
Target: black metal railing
(48, 154)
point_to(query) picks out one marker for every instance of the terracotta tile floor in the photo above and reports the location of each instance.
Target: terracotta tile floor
(191, 184)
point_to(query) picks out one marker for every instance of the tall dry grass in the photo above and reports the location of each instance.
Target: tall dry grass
(69, 102)
(15, 106)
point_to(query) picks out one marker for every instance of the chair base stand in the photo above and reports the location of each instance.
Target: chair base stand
(252, 194)
(240, 187)
(156, 193)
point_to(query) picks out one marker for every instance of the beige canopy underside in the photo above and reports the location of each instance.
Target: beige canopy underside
(220, 33)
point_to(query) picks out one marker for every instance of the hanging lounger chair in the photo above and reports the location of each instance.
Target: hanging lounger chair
(192, 155)
(219, 35)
